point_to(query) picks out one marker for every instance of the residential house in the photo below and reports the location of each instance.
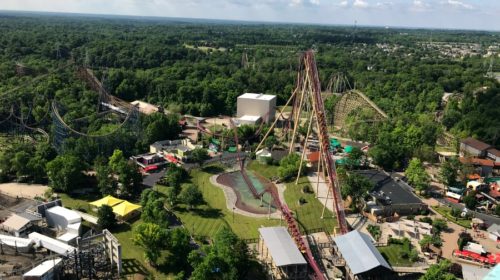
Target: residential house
(473, 147)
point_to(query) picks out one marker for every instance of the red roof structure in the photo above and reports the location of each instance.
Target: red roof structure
(171, 159)
(477, 161)
(150, 168)
(313, 157)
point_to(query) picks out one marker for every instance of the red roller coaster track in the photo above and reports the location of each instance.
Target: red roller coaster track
(308, 74)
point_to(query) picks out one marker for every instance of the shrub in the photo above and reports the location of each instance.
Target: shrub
(307, 189)
(410, 217)
(455, 212)
(426, 220)
(413, 255)
(374, 231)
(302, 201)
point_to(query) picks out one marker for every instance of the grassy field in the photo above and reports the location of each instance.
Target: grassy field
(308, 214)
(445, 211)
(207, 219)
(392, 255)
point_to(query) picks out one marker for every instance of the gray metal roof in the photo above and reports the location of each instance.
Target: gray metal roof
(281, 246)
(359, 252)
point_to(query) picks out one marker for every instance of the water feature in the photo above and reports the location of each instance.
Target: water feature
(246, 201)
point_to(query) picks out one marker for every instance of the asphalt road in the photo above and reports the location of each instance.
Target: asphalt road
(488, 219)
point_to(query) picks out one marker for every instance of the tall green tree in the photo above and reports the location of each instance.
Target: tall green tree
(65, 173)
(106, 218)
(191, 196)
(417, 176)
(448, 172)
(439, 271)
(228, 258)
(152, 238)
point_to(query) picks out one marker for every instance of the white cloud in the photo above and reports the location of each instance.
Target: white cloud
(384, 4)
(360, 4)
(459, 5)
(420, 6)
(344, 4)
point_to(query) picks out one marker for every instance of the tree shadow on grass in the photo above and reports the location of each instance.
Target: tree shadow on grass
(213, 169)
(207, 212)
(133, 266)
(123, 227)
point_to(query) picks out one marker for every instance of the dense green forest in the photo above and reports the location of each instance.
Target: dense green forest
(199, 68)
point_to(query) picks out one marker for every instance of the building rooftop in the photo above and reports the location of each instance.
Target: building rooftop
(15, 223)
(472, 272)
(257, 96)
(494, 229)
(359, 252)
(68, 214)
(476, 144)
(477, 161)
(145, 107)
(388, 187)
(494, 152)
(281, 246)
(43, 268)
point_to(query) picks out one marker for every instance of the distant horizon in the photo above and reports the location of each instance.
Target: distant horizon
(240, 21)
(476, 15)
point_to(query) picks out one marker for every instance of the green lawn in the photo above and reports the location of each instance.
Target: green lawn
(392, 254)
(308, 214)
(446, 212)
(207, 219)
(267, 171)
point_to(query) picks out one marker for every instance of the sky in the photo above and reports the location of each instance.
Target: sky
(454, 14)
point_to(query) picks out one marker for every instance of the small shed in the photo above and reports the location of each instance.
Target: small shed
(16, 225)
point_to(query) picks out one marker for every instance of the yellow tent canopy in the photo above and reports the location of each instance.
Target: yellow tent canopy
(125, 208)
(108, 200)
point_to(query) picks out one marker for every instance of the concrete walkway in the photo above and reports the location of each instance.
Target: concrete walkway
(320, 190)
(231, 201)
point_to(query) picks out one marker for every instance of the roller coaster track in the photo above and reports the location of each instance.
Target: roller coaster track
(57, 115)
(311, 76)
(106, 100)
(353, 101)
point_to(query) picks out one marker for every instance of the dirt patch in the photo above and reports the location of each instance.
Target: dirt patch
(226, 179)
(23, 190)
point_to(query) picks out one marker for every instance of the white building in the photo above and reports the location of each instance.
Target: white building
(44, 271)
(255, 107)
(65, 220)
